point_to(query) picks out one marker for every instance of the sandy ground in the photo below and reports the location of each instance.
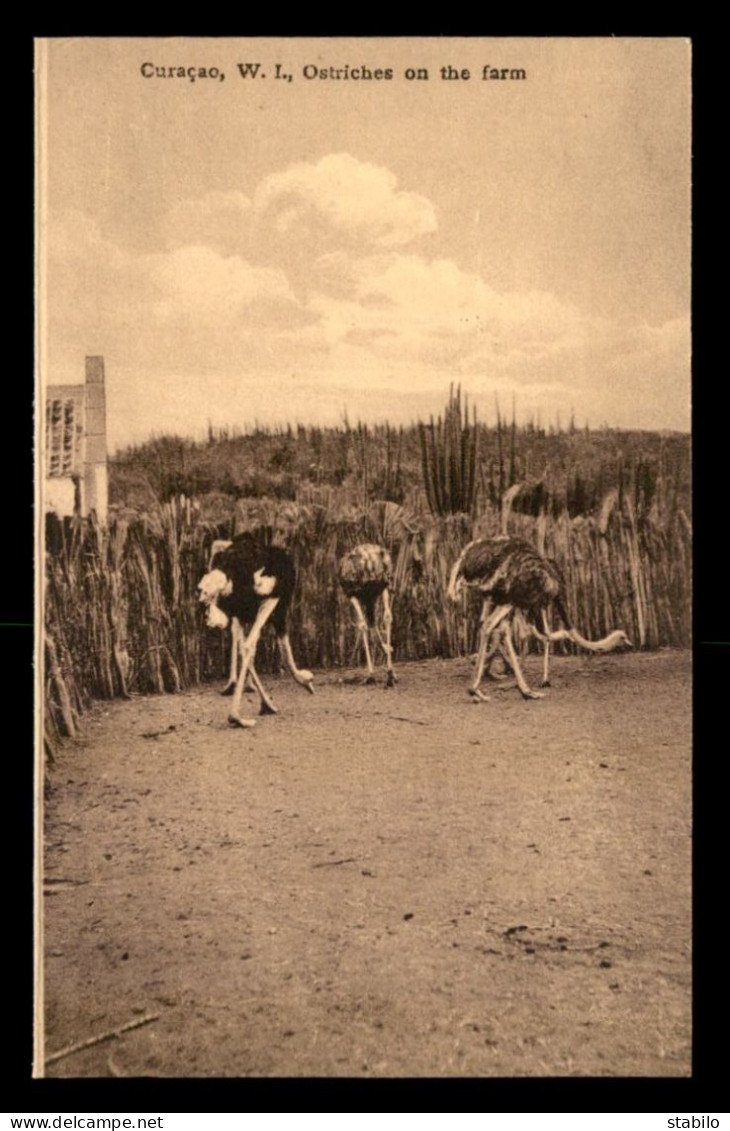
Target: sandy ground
(379, 883)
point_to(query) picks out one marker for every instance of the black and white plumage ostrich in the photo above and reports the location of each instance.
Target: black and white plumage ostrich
(248, 584)
(218, 546)
(513, 577)
(366, 576)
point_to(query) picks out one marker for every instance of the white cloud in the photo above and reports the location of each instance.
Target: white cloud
(97, 288)
(342, 199)
(196, 283)
(432, 311)
(338, 202)
(220, 220)
(308, 284)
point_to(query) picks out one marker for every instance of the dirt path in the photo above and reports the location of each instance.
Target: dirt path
(379, 883)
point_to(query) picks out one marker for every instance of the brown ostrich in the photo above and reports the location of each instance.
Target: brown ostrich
(366, 575)
(513, 578)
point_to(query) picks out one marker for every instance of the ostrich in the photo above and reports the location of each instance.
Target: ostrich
(218, 546)
(512, 577)
(248, 584)
(366, 573)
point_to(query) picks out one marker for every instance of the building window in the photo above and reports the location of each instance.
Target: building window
(63, 437)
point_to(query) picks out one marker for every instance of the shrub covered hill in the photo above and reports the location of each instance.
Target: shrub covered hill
(564, 469)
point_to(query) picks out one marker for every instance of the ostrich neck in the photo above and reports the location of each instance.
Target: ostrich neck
(607, 644)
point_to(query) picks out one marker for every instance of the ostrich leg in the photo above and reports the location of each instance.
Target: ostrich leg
(248, 652)
(481, 659)
(236, 646)
(362, 626)
(488, 625)
(386, 644)
(493, 647)
(266, 707)
(527, 692)
(546, 653)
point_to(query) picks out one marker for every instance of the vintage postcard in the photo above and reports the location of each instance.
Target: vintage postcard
(365, 531)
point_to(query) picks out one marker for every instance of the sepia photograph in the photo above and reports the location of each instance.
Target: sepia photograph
(364, 558)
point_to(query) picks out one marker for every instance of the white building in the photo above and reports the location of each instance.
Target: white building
(75, 445)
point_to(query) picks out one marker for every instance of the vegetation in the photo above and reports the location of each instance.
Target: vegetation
(356, 465)
(449, 450)
(120, 610)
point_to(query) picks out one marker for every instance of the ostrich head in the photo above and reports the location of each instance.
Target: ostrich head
(616, 640)
(214, 585)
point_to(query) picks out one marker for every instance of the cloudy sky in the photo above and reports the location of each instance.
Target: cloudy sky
(283, 251)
